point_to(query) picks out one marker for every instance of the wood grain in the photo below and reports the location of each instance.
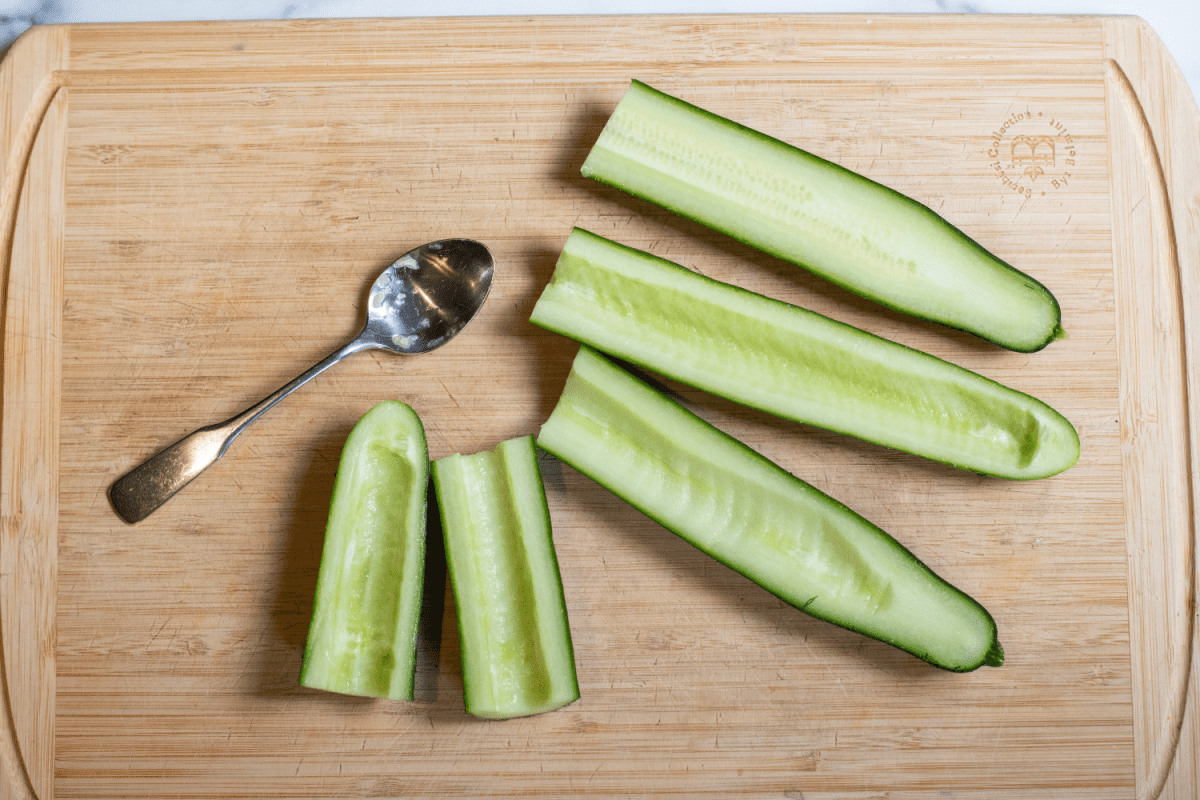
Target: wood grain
(202, 215)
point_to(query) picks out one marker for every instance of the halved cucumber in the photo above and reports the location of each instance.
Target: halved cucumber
(517, 657)
(362, 638)
(806, 210)
(797, 364)
(794, 541)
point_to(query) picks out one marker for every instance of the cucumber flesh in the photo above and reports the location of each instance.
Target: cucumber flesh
(730, 502)
(517, 657)
(799, 207)
(362, 638)
(797, 364)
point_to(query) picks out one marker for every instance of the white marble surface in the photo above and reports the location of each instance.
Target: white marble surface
(1177, 22)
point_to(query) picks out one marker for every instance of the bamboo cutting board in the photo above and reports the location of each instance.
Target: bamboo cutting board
(192, 215)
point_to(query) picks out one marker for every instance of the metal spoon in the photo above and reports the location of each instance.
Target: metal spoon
(418, 303)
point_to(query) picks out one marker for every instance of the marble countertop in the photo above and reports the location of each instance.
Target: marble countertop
(1177, 22)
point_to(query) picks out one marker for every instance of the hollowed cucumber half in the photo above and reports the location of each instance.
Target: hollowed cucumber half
(797, 206)
(797, 364)
(745, 511)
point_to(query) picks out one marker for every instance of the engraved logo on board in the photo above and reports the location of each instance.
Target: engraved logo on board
(1032, 154)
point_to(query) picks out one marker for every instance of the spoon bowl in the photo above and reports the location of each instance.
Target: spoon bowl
(421, 301)
(428, 295)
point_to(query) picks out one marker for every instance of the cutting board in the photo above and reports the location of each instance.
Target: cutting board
(192, 215)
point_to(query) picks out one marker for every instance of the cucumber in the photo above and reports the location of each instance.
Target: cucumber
(517, 657)
(745, 511)
(801, 208)
(362, 638)
(797, 364)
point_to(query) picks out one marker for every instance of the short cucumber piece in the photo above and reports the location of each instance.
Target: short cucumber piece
(517, 657)
(840, 225)
(730, 502)
(362, 638)
(797, 364)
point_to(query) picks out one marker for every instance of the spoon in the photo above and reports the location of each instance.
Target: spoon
(418, 303)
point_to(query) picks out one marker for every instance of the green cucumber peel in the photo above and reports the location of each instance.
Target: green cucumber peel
(822, 217)
(362, 637)
(724, 498)
(797, 364)
(517, 656)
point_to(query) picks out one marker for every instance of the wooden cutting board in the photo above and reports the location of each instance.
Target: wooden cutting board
(192, 215)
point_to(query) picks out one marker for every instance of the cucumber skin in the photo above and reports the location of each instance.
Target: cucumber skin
(564, 685)
(404, 648)
(993, 656)
(606, 343)
(1053, 332)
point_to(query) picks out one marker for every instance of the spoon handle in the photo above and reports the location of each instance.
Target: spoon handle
(147, 486)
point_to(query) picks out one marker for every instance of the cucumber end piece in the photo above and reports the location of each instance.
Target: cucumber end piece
(995, 655)
(517, 656)
(367, 601)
